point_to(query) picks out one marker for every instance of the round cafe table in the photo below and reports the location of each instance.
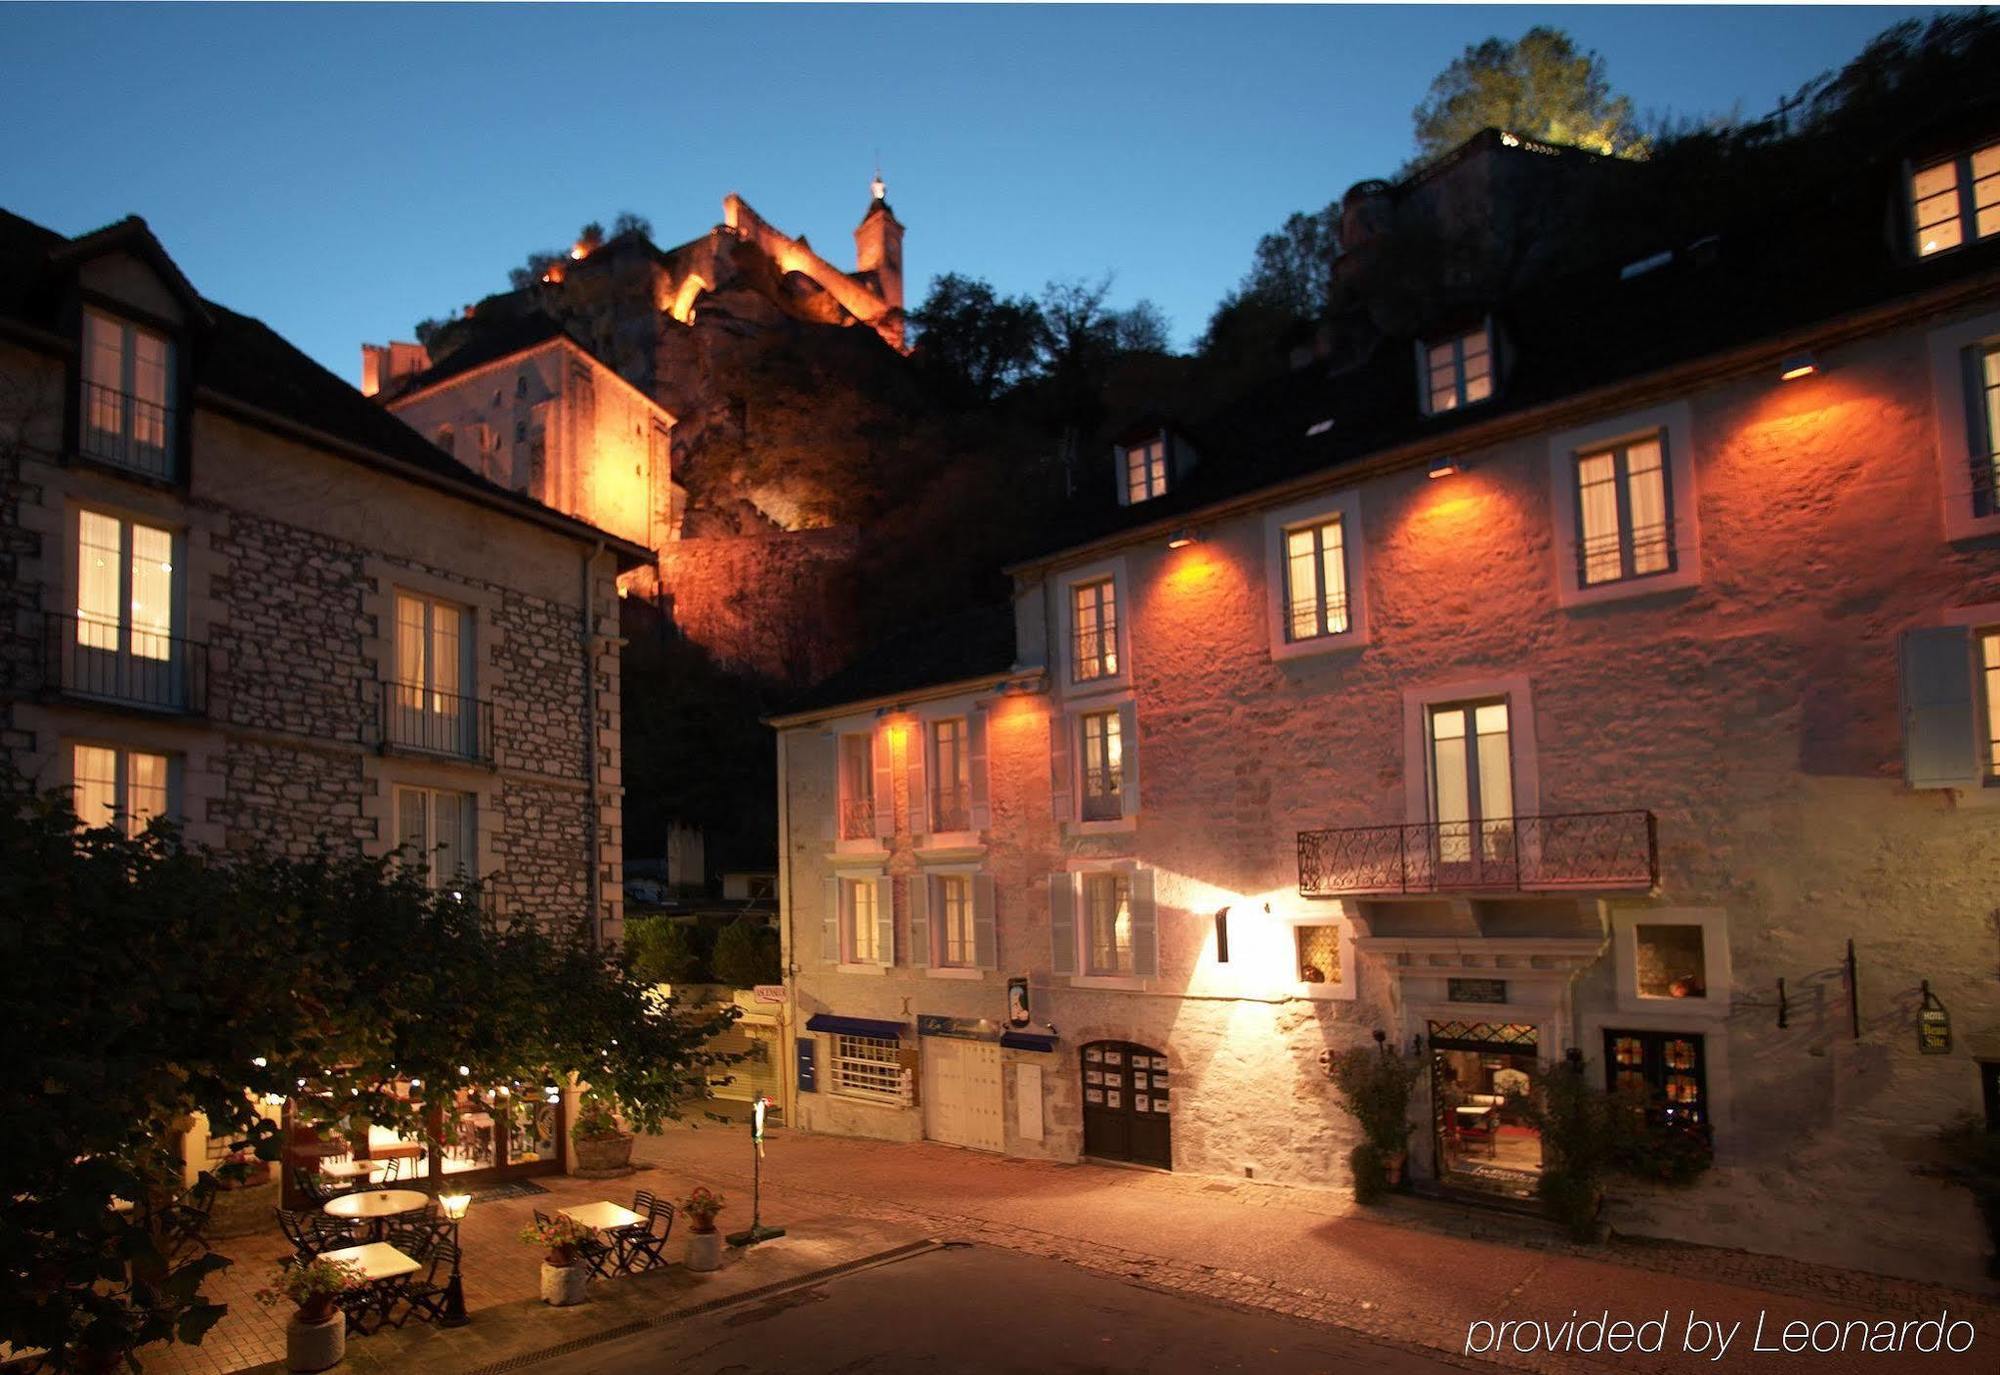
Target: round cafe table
(375, 1206)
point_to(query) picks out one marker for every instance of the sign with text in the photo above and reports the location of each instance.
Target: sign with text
(1476, 990)
(769, 993)
(1933, 1025)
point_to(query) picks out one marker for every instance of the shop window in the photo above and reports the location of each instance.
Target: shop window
(867, 1067)
(1667, 1069)
(1671, 961)
(1318, 949)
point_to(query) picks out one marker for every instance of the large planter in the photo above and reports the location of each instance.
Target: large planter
(242, 1212)
(598, 1156)
(315, 1345)
(704, 1250)
(562, 1285)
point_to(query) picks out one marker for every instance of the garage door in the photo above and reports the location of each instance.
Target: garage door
(961, 1093)
(756, 1072)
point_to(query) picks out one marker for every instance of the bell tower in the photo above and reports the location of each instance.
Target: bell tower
(878, 246)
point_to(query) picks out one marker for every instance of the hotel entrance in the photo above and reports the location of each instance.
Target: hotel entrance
(1479, 1072)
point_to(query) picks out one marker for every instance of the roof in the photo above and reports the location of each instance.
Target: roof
(490, 338)
(964, 647)
(242, 360)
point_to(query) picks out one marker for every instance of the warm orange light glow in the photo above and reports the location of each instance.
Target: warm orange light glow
(1444, 467)
(1181, 539)
(554, 275)
(579, 250)
(1794, 373)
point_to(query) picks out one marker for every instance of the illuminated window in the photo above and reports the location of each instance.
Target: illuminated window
(1318, 952)
(1665, 1069)
(1107, 924)
(119, 788)
(1315, 581)
(1146, 471)
(1670, 961)
(951, 898)
(1457, 371)
(867, 1067)
(1094, 621)
(1989, 699)
(430, 708)
(1103, 766)
(1956, 200)
(861, 922)
(857, 787)
(1624, 515)
(951, 785)
(127, 413)
(1983, 427)
(435, 830)
(125, 588)
(1472, 783)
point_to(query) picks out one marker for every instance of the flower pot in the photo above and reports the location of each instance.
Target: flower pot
(603, 1155)
(704, 1250)
(562, 1285)
(241, 1212)
(315, 1345)
(1392, 1167)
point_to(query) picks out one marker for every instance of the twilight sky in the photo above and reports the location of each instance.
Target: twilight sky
(343, 171)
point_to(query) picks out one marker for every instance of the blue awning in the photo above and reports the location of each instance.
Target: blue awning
(855, 1026)
(1027, 1040)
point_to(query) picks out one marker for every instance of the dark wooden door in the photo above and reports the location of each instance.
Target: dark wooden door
(1127, 1097)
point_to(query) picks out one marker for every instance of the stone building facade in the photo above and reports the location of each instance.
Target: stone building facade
(1574, 680)
(243, 597)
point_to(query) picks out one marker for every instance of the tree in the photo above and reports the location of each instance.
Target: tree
(1540, 87)
(746, 954)
(972, 343)
(658, 950)
(1142, 329)
(631, 222)
(147, 981)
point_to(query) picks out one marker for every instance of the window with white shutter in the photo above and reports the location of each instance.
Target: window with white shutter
(950, 775)
(951, 918)
(1940, 732)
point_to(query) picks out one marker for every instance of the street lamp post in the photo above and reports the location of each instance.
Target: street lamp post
(455, 1206)
(756, 1231)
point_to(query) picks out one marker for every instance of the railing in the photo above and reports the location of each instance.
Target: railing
(431, 722)
(857, 818)
(1573, 850)
(951, 811)
(1103, 799)
(1094, 650)
(111, 661)
(127, 431)
(1614, 557)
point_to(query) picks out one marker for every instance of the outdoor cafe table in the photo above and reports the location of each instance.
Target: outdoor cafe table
(378, 1263)
(606, 1217)
(375, 1206)
(349, 1169)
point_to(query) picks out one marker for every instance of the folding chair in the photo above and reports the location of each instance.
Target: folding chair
(642, 1242)
(424, 1297)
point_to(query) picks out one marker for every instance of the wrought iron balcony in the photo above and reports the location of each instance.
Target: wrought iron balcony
(431, 722)
(951, 811)
(1576, 851)
(857, 818)
(103, 660)
(127, 431)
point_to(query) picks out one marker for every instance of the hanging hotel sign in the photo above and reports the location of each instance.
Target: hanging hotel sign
(961, 1028)
(1933, 1025)
(1017, 1002)
(1476, 990)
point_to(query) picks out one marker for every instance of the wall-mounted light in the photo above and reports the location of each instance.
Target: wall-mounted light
(1444, 467)
(1181, 538)
(1797, 366)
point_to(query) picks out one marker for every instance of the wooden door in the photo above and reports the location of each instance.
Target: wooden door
(1127, 1096)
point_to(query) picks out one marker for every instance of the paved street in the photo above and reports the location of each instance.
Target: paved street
(979, 1308)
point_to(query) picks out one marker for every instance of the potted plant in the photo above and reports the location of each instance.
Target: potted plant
(1375, 1087)
(316, 1335)
(1972, 1159)
(704, 1250)
(1585, 1132)
(563, 1272)
(246, 1190)
(601, 1147)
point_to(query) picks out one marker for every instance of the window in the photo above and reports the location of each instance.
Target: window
(1989, 683)
(1107, 917)
(860, 923)
(120, 788)
(1669, 961)
(1457, 371)
(1094, 617)
(867, 1067)
(521, 384)
(1624, 519)
(1103, 766)
(1315, 581)
(1983, 426)
(435, 830)
(430, 710)
(951, 896)
(1472, 782)
(1318, 953)
(1956, 199)
(122, 646)
(857, 787)
(1667, 1068)
(1146, 471)
(127, 417)
(951, 781)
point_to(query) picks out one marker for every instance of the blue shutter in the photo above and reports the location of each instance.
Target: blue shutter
(1940, 727)
(808, 1066)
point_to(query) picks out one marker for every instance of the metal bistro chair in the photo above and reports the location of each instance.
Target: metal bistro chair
(641, 1246)
(423, 1294)
(312, 1233)
(184, 1225)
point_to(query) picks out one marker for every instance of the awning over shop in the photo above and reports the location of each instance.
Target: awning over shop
(1027, 1040)
(855, 1026)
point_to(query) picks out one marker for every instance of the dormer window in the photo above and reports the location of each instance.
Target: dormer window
(1457, 371)
(1145, 470)
(1956, 200)
(127, 414)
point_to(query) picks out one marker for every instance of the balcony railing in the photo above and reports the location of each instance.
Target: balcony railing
(109, 661)
(1589, 851)
(431, 722)
(857, 818)
(127, 432)
(1103, 799)
(951, 811)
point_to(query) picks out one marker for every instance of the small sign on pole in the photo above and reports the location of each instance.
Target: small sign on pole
(1933, 1025)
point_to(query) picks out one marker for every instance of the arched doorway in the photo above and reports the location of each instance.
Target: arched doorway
(1127, 1095)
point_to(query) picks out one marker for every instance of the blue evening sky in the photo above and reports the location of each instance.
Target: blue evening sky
(342, 171)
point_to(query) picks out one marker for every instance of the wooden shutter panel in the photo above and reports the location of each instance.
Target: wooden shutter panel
(829, 941)
(1128, 756)
(1062, 924)
(1145, 929)
(913, 769)
(1940, 729)
(885, 919)
(975, 766)
(985, 937)
(920, 927)
(829, 827)
(1061, 790)
(883, 759)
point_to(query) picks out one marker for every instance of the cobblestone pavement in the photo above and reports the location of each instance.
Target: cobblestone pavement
(1413, 1273)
